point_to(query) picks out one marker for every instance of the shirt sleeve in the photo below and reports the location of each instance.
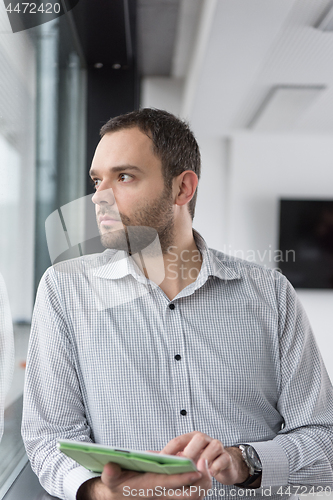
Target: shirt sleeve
(302, 452)
(53, 406)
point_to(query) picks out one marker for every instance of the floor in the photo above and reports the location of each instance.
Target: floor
(17, 480)
(12, 451)
(27, 487)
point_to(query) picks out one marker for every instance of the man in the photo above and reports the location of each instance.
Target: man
(163, 344)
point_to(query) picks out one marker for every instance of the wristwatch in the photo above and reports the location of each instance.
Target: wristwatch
(252, 460)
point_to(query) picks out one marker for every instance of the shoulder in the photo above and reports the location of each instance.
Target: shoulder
(250, 276)
(265, 287)
(244, 267)
(72, 270)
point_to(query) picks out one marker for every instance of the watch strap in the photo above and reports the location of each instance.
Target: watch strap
(254, 474)
(250, 479)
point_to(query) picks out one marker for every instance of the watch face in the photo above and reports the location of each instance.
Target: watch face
(253, 458)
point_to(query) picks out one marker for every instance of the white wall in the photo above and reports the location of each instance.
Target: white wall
(211, 213)
(162, 93)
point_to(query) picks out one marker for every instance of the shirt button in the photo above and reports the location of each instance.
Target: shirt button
(172, 306)
(178, 357)
(183, 412)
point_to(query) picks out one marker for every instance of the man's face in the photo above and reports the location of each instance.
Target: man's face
(130, 191)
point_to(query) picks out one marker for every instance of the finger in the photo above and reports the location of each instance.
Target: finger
(113, 475)
(202, 467)
(205, 482)
(196, 446)
(219, 465)
(190, 490)
(212, 451)
(178, 443)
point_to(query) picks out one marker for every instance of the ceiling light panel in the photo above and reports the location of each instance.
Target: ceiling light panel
(283, 106)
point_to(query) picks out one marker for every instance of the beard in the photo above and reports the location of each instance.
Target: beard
(150, 223)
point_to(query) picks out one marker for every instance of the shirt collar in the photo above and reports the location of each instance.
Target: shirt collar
(119, 264)
(115, 265)
(211, 264)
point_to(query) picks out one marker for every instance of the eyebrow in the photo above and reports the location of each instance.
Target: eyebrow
(120, 168)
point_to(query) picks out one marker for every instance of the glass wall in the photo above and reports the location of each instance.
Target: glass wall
(60, 147)
(42, 165)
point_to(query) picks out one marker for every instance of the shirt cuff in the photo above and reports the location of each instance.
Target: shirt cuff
(74, 479)
(274, 461)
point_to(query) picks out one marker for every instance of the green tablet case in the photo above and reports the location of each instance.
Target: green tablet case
(94, 456)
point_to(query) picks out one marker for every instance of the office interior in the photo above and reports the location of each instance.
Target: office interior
(254, 79)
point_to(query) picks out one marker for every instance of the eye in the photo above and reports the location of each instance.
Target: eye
(95, 183)
(125, 177)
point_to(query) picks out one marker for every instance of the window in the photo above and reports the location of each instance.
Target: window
(42, 166)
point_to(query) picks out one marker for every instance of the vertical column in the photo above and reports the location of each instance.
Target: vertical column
(47, 130)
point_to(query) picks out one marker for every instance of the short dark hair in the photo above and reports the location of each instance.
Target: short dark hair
(173, 142)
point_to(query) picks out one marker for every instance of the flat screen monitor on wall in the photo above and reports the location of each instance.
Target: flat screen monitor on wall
(306, 242)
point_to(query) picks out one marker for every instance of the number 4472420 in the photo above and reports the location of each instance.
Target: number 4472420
(317, 491)
(31, 8)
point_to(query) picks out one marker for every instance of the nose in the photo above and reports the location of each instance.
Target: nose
(103, 197)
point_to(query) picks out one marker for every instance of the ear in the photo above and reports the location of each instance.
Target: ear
(185, 185)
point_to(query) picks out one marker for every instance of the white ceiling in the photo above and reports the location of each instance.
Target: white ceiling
(251, 46)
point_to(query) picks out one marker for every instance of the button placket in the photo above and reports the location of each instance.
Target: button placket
(174, 328)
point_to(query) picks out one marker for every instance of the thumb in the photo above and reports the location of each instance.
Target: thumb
(202, 466)
(111, 474)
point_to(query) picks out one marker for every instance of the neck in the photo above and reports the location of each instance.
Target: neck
(177, 267)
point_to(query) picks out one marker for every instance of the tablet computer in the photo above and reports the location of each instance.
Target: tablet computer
(94, 456)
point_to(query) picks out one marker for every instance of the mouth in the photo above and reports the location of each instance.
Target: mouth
(107, 220)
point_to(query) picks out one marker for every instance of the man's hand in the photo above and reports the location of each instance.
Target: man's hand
(226, 465)
(117, 484)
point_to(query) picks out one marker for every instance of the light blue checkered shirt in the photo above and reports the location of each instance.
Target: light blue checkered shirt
(102, 367)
